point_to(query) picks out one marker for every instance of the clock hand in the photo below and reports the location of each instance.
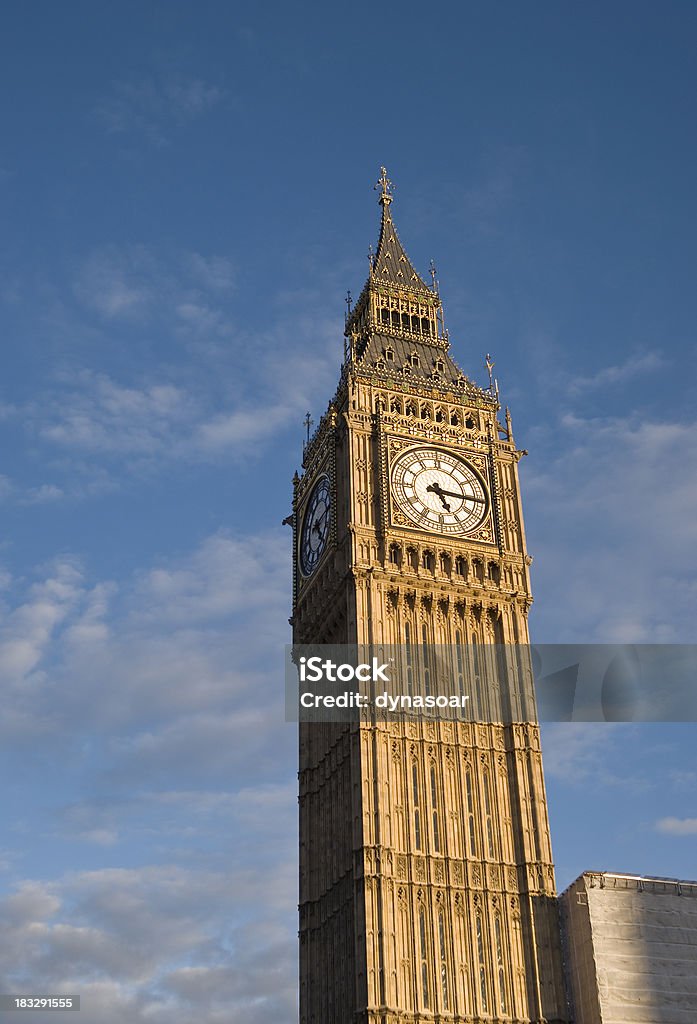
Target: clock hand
(437, 489)
(318, 524)
(465, 497)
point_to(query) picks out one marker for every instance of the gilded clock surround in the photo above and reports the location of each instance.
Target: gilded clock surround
(427, 887)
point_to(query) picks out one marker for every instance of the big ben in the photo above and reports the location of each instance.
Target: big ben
(427, 888)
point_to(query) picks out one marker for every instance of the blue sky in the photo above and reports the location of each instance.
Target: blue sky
(186, 196)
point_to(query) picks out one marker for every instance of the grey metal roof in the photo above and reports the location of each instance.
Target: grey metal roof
(375, 356)
(391, 264)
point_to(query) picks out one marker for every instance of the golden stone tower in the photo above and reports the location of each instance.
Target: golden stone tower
(427, 888)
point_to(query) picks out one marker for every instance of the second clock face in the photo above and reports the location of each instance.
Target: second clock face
(437, 490)
(315, 528)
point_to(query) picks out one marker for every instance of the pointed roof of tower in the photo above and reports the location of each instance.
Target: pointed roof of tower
(391, 265)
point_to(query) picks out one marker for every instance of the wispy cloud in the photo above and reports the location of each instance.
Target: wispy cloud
(677, 826)
(577, 751)
(635, 365)
(155, 105)
(151, 685)
(97, 415)
(159, 943)
(132, 282)
(611, 519)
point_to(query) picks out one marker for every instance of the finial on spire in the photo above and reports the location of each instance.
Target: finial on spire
(348, 300)
(490, 366)
(385, 186)
(434, 279)
(308, 423)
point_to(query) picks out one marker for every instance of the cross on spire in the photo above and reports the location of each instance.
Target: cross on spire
(385, 186)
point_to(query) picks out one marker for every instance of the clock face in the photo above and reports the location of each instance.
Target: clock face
(437, 490)
(315, 528)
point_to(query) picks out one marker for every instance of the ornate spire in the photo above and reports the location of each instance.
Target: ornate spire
(391, 265)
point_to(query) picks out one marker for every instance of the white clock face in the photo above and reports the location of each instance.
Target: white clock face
(439, 491)
(315, 528)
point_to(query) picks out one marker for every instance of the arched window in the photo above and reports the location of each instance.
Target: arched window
(409, 658)
(427, 560)
(440, 366)
(487, 814)
(461, 566)
(460, 662)
(499, 964)
(470, 813)
(443, 961)
(482, 964)
(424, 957)
(395, 554)
(414, 359)
(417, 805)
(454, 420)
(434, 811)
(426, 654)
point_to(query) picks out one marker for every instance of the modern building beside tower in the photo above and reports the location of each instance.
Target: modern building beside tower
(427, 889)
(630, 949)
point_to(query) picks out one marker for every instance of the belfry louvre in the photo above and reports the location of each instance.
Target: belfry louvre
(427, 888)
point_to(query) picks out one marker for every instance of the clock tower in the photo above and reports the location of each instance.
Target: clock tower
(427, 888)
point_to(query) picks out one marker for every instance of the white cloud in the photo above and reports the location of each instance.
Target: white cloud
(677, 826)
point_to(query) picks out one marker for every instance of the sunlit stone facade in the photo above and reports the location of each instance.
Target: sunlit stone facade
(427, 888)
